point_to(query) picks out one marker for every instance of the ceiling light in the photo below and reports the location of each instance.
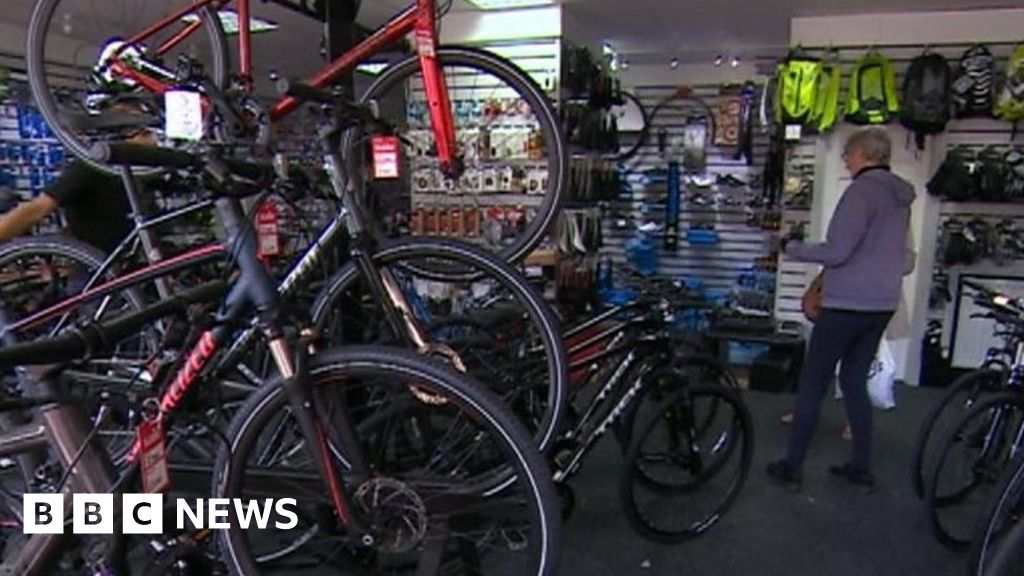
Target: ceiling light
(508, 4)
(674, 63)
(719, 60)
(735, 61)
(229, 21)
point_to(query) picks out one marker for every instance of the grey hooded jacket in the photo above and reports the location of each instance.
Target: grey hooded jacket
(864, 253)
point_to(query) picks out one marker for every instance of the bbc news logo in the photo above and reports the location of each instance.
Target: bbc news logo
(144, 513)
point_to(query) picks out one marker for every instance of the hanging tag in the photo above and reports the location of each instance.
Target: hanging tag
(184, 115)
(267, 231)
(153, 456)
(793, 132)
(385, 157)
(425, 43)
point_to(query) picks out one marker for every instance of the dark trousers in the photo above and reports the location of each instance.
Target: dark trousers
(839, 336)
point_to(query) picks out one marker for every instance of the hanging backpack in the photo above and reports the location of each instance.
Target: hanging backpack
(826, 101)
(797, 89)
(926, 100)
(974, 87)
(873, 98)
(990, 175)
(1014, 163)
(1010, 102)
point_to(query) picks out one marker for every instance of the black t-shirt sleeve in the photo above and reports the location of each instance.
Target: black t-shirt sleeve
(74, 182)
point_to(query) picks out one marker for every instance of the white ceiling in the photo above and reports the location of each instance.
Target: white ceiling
(643, 30)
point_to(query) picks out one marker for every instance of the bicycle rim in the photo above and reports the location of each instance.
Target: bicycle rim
(964, 392)
(422, 494)
(511, 341)
(496, 107)
(678, 479)
(84, 102)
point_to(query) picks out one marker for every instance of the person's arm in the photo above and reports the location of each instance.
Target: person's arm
(845, 232)
(24, 216)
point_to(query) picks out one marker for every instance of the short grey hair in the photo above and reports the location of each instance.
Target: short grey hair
(874, 142)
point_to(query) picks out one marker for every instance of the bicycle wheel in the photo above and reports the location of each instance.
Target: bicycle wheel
(961, 395)
(526, 364)
(509, 142)
(426, 433)
(678, 480)
(1008, 560)
(1004, 510)
(70, 45)
(973, 456)
(40, 271)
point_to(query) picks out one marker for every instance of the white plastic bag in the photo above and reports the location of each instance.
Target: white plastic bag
(881, 378)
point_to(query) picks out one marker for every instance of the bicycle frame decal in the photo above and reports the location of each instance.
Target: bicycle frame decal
(189, 373)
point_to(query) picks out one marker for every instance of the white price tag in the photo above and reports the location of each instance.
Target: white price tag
(184, 113)
(793, 131)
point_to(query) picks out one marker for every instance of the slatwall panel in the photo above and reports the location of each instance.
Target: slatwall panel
(717, 266)
(801, 156)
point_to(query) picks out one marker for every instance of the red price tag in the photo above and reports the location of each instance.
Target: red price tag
(153, 456)
(267, 231)
(385, 157)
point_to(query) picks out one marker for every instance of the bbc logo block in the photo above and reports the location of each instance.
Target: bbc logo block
(144, 513)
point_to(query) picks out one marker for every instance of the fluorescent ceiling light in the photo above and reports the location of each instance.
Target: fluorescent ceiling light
(229, 21)
(372, 68)
(508, 4)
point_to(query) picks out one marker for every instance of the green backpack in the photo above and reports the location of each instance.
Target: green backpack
(1009, 104)
(873, 97)
(797, 89)
(826, 101)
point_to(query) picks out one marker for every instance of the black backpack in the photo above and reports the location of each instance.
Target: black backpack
(927, 100)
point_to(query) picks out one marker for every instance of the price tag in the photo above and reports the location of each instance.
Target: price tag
(793, 131)
(184, 115)
(153, 456)
(385, 157)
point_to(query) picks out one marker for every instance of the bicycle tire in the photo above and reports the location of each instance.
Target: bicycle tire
(973, 384)
(64, 247)
(1007, 560)
(540, 104)
(45, 96)
(352, 363)
(540, 314)
(740, 431)
(939, 497)
(1005, 509)
(641, 136)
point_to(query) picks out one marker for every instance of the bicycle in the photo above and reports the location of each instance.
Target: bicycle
(977, 450)
(1009, 556)
(130, 65)
(685, 433)
(382, 274)
(964, 392)
(363, 501)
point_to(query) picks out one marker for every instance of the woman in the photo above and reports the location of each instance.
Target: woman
(864, 259)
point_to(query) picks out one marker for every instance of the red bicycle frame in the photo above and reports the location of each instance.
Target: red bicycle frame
(420, 19)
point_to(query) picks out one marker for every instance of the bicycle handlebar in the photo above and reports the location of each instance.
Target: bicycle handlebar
(124, 154)
(103, 337)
